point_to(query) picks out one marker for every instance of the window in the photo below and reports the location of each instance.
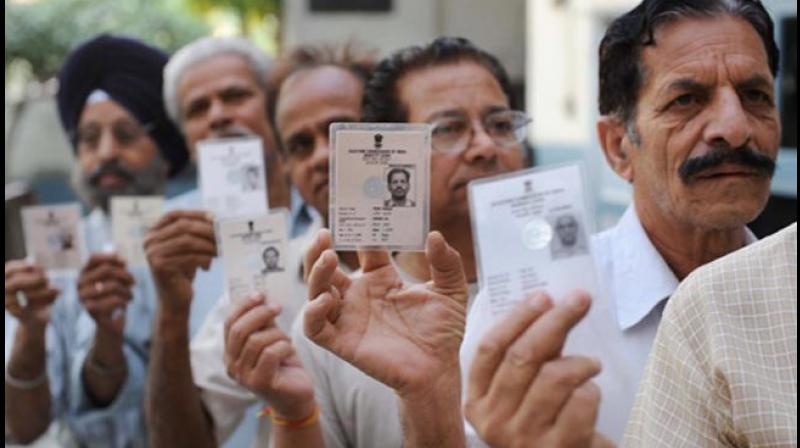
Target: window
(351, 5)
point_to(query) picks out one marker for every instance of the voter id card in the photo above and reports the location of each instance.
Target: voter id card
(379, 185)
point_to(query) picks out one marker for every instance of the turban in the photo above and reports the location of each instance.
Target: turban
(130, 72)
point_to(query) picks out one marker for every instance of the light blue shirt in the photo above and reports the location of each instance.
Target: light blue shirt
(69, 338)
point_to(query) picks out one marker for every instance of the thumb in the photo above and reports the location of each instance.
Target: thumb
(447, 271)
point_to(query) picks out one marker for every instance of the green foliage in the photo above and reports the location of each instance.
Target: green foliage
(42, 33)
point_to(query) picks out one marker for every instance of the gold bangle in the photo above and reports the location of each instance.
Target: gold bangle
(292, 424)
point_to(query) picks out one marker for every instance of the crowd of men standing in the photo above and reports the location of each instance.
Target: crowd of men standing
(691, 342)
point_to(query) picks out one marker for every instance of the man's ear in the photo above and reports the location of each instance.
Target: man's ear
(613, 136)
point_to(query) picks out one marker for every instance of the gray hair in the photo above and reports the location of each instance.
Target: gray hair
(206, 48)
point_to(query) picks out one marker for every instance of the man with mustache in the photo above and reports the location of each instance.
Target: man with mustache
(87, 369)
(213, 88)
(398, 183)
(689, 120)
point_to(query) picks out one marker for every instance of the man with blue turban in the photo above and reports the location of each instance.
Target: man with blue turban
(79, 349)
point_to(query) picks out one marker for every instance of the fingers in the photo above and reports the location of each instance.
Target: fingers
(92, 292)
(542, 341)
(553, 387)
(495, 342)
(371, 260)
(19, 266)
(102, 273)
(575, 425)
(98, 259)
(28, 281)
(255, 319)
(255, 344)
(106, 306)
(447, 272)
(272, 356)
(177, 215)
(322, 242)
(323, 274)
(319, 317)
(181, 243)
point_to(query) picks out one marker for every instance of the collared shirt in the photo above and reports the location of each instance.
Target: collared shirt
(69, 338)
(621, 324)
(723, 370)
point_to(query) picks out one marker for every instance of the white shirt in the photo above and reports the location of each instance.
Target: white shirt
(622, 322)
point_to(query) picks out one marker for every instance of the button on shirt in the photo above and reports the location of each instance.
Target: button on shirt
(621, 324)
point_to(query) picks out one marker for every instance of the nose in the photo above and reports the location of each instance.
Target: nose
(729, 124)
(107, 147)
(481, 149)
(219, 116)
(321, 155)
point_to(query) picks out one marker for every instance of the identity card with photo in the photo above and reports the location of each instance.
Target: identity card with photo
(232, 176)
(379, 174)
(256, 258)
(53, 236)
(531, 230)
(131, 218)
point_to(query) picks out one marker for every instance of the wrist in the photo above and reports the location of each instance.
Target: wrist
(107, 349)
(298, 411)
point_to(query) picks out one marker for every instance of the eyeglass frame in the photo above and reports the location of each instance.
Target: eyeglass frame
(519, 139)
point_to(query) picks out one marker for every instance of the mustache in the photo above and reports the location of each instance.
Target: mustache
(231, 131)
(744, 156)
(113, 167)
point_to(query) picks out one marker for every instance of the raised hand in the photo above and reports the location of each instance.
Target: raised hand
(522, 392)
(406, 337)
(29, 294)
(176, 246)
(104, 289)
(260, 356)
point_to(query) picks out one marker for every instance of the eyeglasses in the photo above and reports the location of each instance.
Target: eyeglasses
(125, 133)
(506, 128)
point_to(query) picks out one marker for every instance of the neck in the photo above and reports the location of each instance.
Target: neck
(685, 247)
(459, 236)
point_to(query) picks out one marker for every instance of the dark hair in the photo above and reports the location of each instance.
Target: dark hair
(394, 171)
(272, 249)
(349, 57)
(621, 71)
(381, 103)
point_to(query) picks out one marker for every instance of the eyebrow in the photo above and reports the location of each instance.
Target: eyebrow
(755, 82)
(684, 84)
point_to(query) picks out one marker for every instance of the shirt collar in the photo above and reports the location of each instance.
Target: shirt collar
(641, 277)
(302, 217)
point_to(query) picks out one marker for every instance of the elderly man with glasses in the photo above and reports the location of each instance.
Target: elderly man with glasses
(466, 95)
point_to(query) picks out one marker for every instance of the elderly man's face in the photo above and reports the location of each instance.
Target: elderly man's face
(465, 89)
(398, 185)
(708, 125)
(309, 101)
(567, 230)
(220, 97)
(116, 155)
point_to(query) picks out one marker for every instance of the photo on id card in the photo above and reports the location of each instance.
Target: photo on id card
(232, 176)
(531, 231)
(131, 218)
(53, 236)
(255, 256)
(379, 174)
